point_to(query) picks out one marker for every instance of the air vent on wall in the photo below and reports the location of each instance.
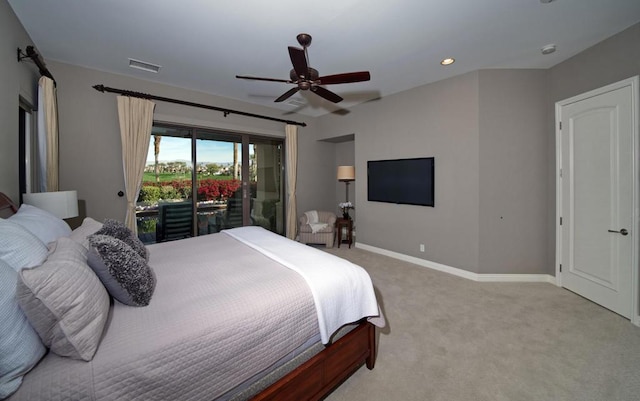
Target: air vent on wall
(142, 65)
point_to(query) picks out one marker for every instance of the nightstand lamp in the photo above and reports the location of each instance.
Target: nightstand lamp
(62, 204)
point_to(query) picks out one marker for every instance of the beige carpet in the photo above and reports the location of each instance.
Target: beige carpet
(452, 339)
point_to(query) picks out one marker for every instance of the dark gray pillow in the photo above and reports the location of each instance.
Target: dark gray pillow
(118, 230)
(124, 273)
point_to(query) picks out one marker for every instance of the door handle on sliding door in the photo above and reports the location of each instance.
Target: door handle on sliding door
(622, 231)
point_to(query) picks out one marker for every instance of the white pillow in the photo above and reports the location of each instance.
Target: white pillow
(20, 346)
(89, 226)
(19, 247)
(65, 302)
(43, 224)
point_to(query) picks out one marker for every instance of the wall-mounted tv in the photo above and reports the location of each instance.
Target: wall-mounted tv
(406, 181)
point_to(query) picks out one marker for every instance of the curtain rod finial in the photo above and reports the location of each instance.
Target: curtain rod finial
(99, 88)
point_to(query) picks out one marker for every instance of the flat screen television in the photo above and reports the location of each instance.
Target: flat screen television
(403, 181)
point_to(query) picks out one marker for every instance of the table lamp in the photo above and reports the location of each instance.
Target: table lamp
(62, 204)
(346, 174)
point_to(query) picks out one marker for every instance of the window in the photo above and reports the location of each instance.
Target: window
(200, 181)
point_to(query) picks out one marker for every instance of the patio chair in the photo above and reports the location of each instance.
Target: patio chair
(175, 221)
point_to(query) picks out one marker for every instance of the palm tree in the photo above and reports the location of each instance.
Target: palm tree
(236, 173)
(156, 152)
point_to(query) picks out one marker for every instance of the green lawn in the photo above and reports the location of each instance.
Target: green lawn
(164, 177)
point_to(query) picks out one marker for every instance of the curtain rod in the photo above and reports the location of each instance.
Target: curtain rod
(35, 57)
(102, 88)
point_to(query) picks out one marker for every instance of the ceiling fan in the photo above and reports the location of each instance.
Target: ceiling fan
(307, 78)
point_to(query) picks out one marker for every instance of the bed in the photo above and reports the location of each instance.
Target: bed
(233, 316)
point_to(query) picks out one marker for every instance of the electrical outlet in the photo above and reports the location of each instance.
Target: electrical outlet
(421, 247)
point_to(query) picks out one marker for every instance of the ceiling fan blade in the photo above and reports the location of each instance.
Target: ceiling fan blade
(287, 94)
(345, 78)
(299, 61)
(327, 94)
(264, 79)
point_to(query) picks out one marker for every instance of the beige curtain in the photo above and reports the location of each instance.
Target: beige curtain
(291, 132)
(136, 120)
(48, 133)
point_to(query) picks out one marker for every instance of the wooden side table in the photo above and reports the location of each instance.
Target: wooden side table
(348, 224)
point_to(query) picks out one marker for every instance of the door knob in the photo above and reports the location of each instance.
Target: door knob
(622, 231)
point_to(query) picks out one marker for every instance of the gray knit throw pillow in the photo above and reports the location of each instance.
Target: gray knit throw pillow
(124, 273)
(118, 230)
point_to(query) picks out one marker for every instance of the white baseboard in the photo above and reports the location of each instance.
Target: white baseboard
(522, 278)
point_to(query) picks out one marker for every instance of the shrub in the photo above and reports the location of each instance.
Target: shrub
(211, 189)
(182, 187)
(208, 189)
(146, 225)
(168, 192)
(149, 193)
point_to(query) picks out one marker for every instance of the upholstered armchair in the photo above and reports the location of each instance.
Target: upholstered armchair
(315, 234)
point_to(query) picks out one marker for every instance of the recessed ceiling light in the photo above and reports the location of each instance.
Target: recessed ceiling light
(143, 65)
(548, 49)
(448, 61)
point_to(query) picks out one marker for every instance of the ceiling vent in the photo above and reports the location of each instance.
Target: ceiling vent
(142, 65)
(296, 103)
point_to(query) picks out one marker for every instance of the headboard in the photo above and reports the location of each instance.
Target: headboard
(7, 207)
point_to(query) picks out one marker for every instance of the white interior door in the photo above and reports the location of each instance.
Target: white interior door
(597, 139)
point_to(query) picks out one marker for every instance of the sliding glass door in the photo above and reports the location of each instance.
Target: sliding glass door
(199, 181)
(267, 183)
(219, 183)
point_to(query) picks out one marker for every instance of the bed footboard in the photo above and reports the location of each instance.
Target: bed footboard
(314, 379)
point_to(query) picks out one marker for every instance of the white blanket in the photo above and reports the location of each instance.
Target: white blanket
(312, 220)
(338, 302)
(315, 227)
(312, 216)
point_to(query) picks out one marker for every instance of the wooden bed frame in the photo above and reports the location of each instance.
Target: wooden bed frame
(316, 378)
(7, 207)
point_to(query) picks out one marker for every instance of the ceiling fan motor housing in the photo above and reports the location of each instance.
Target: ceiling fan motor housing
(312, 75)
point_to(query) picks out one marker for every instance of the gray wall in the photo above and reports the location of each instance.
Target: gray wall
(513, 171)
(345, 156)
(19, 79)
(90, 158)
(439, 120)
(609, 61)
(316, 172)
(486, 131)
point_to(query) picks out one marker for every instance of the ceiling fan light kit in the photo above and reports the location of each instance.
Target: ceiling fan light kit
(307, 78)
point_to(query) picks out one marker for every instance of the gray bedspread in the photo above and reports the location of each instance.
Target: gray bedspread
(221, 312)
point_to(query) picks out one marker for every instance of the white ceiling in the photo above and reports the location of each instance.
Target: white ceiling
(203, 44)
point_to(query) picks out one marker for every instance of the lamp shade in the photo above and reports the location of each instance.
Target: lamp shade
(62, 204)
(346, 173)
